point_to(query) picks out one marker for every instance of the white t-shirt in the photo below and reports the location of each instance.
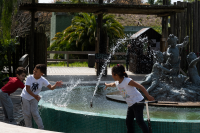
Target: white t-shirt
(129, 93)
(35, 86)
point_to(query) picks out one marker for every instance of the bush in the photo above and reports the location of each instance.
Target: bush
(6, 45)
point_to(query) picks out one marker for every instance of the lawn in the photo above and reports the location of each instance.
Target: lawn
(75, 64)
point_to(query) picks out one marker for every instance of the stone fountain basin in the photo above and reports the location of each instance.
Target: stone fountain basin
(76, 118)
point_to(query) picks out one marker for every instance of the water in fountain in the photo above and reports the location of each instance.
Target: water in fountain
(112, 52)
(63, 96)
(142, 41)
(77, 97)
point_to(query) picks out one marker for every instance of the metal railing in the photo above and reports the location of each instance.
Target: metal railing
(80, 60)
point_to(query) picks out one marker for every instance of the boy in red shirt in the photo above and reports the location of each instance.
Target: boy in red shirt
(13, 84)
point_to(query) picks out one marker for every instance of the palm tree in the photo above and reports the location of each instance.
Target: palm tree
(81, 34)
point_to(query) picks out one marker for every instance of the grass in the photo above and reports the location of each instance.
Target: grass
(62, 64)
(75, 64)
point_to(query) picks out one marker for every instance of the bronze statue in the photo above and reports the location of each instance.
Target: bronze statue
(192, 60)
(157, 72)
(173, 60)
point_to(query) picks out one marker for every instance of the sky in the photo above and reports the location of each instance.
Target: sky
(50, 1)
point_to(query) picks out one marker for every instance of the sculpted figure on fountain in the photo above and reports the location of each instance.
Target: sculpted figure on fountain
(172, 53)
(157, 72)
(192, 60)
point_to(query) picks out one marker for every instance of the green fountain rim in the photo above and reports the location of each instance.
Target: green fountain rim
(52, 106)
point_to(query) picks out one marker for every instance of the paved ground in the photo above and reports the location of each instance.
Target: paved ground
(87, 75)
(84, 73)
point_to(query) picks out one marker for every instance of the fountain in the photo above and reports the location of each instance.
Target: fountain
(67, 109)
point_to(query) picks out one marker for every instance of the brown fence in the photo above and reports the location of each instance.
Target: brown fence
(80, 60)
(187, 23)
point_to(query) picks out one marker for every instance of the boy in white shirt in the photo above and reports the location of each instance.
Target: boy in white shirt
(30, 97)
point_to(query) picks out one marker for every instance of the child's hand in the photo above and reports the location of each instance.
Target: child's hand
(59, 83)
(37, 97)
(106, 86)
(3, 83)
(150, 98)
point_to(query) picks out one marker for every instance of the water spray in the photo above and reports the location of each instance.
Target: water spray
(104, 67)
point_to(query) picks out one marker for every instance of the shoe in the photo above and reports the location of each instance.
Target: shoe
(13, 122)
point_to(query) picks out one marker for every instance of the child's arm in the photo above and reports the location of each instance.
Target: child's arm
(194, 62)
(37, 97)
(4, 80)
(135, 84)
(110, 85)
(52, 87)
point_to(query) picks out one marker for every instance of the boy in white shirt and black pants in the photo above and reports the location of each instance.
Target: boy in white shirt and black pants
(30, 97)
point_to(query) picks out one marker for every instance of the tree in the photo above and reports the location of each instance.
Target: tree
(188, 1)
(151, 2)
(160, 2)
(7, 9)
(82, 32)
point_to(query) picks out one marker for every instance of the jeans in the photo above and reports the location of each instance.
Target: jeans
(30, 109)
(136, 111)
(7, 105)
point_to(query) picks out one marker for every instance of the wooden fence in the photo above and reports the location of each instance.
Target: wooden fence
(80, 60)
(187, 23)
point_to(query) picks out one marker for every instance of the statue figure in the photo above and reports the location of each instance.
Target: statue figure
(192, 60)
(157, 72)
(173, 60)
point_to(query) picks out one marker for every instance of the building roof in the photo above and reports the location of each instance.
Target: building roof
(139, 33)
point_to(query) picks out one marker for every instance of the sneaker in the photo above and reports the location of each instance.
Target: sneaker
(13, 122)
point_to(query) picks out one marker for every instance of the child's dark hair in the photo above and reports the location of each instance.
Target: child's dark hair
(119, 70)
(42, 68)
(20, 70)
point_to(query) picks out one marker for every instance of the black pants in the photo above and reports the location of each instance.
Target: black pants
(127, 61)
(127, 66)
(136, 111)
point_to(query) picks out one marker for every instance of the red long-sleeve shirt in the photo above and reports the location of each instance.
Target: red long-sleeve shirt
(13, 84)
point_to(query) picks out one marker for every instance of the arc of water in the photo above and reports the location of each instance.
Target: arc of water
(103, 69)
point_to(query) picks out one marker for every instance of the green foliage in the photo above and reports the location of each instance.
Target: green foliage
(74, 64)
(189, 1)
(8, 45)
(114, 64)
(157, 28)
(151, 2)
(82, 32)
(160, 2)
(8, 8)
